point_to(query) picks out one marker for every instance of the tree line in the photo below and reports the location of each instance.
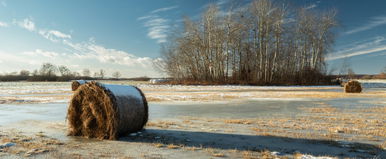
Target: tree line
(263, 42)
(51, 72)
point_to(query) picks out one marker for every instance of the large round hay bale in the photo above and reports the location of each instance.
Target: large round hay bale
(106, 111)
(353, 87)
(75, 84)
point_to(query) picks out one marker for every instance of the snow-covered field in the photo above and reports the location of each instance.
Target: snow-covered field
(59, 92)
(205, 122)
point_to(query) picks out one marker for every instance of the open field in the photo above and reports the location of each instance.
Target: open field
(204, 122)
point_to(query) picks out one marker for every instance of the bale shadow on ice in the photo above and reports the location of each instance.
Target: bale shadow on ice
(284, 145)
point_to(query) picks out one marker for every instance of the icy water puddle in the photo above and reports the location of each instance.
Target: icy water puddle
(248, 109)
(57, 112)
(254, 108)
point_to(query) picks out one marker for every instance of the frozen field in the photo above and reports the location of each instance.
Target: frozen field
(205, 122)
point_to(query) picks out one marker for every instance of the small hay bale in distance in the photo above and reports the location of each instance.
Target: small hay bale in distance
(106, 111)
(75, 84)
(352, 87)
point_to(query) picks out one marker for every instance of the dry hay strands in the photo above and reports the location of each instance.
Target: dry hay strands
(75, 84)
(352, 87)
(106, 111)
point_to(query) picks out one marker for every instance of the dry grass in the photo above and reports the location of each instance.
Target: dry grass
(185, 94)
(40, 134)
(161, 124)
(249, 155)
(218, 155)
(238, 121)
(28, 146)
(321, 110)
(297, 155)
(159, 145)
(321, 123)
(193, 148)
(172, 146)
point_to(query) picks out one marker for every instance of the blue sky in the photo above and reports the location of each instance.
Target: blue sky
(125, 35)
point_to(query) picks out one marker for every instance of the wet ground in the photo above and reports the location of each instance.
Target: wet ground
(245, 122)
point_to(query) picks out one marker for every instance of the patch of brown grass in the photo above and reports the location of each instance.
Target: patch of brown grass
(159, 145)
(172, 146)
(238, 121)
(161, 124)
(218, 154)
(249, 155)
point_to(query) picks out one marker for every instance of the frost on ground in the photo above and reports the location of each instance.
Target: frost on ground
(318, 130)
(59, 92)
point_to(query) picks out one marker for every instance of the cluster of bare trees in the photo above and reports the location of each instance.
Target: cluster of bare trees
(48, 72)
(261, 43)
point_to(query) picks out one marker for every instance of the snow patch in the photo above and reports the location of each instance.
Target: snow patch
(313, 157)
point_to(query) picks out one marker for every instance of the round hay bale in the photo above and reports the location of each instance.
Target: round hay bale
(353, 87)
(75, 84)
(106, 111)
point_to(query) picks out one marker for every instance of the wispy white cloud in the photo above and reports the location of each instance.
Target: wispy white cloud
(376, 45)
(357, 53)
(54, 35)
(157, 28)
(146, 17)
(374, 22)
(3, 24)
(90, 50)
(163, 9)
(86, 54)
(39, 52)
(311, 6)
(27, 23)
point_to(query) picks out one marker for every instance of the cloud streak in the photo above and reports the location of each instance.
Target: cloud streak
(375, 22)
(163, 9)
(157, 29)
(311, 6)
(27, 24)
(39, 52)
(156, 25)
(90, 50)
(54, 35)
(376, 45)
(3, 24)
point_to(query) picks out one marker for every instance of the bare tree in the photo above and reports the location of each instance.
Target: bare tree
(345, 67)
(102, 73)
(263, 43)
(75, 74)
(47, 69)
(86, 72)
(64, 70)
(35, 73)
(96, 74)
(350, 73)
(116, 74)
(24, 73)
